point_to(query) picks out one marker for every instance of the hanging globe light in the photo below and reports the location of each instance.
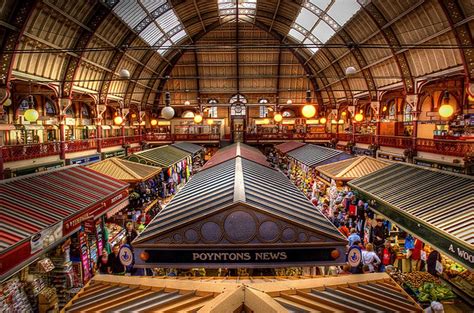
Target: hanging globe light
(134, 115)
(308, 111)
(350, 71)
(7, 102)
(31, 115)
(278, 117)
(124, 74)
(153, 122)
(266, 121)
(446, 109)
(323, 120)
(187, 102)
(289, 102)
(167, 113)
(210, 121)
(344, 113)
(118, 120)
(358, 117)
(198, 118)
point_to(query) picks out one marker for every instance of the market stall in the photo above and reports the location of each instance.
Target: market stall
(282, 151)
(144, 183)
(232, 151)
(430, 204)
(248, 224)
(367, 293)
(303, 161)
(176, 167)
(344, 171)
(197, 153)
(47, 225)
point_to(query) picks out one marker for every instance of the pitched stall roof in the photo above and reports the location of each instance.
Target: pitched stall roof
(289, 146)
(235, 150)
(261, 187)
(188, 147)
(374, 292)
(125, 170)
(351, 168)
(313, 155)
(48, 198)
(164, 156)
(441, 202)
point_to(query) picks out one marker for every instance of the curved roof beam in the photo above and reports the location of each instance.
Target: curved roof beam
(394, 43)
(97, 17)
(18, 21)
(462, 33)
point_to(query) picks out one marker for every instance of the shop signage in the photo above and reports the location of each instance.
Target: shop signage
(466, 255)
(384, 156)
(325, 178)
(46, 237)
(398, 158)
(126, 255)
(89, 226)
(245, 256)
(354, 256)
(85, 160)
(118, 153)
(360, 151)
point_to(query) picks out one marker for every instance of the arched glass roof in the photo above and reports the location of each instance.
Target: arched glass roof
(247, 9)
(319, 20)
(153, 20)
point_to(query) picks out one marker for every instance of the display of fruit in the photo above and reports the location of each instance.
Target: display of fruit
(434, 292)
(416, 279)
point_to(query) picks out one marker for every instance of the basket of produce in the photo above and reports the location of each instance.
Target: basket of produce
(417, 279)
(434, 292)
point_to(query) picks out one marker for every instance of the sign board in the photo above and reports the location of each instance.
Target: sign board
(354, 256)
(239, 257)
(84, 160)
(70, 121)
(117, 153)
(126, 255)
(46, 237)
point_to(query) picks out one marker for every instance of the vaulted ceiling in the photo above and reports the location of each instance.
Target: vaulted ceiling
(201, 49)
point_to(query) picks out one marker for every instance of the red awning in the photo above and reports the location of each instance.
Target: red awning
(59, 199)
(235, 150)
(289, 146)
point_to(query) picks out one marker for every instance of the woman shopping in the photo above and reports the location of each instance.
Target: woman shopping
(370, 258)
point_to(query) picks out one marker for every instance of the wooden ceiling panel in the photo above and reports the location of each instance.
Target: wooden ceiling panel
(386, 73)
(361, 28)
(391, 9)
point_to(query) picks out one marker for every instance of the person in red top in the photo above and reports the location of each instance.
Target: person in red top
(344, 229)
(416, 255)
(387, 255)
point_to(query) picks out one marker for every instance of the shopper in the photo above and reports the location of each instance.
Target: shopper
(379, 234)
(131, 234)
(433, 258)
(103, 262)
(344, 229)
(353, 237)
(386, 255)
(114, 265)
(416, 255)
(370, 258)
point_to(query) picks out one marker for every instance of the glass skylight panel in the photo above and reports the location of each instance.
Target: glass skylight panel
(310, 45)
(323, 32)
(150, 33)
(306, 19)
(165, 47)
(168, 21)
(152, 5)
(178, 36)
(323, 4)
(342, 10)
(296, 34)
(228, 7)
(130, 12)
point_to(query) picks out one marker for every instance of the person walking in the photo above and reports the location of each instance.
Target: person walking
(370, 258)
(114, 265)
(387, 255)
(353, 237)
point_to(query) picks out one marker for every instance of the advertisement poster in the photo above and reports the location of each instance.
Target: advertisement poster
(46, 237)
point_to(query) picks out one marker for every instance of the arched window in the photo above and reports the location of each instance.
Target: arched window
(50, 108)
(213, 112)
(24, 105)
(85, 111)
(237, 107)
(70, 112)
(407, 113)
(392, 110)
(263, 109)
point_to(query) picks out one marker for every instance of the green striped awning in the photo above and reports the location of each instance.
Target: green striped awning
(434, 205)
(313, 155)
(164, 156)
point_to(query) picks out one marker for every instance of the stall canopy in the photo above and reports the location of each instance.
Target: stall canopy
(289, 146)
(349, 169)
(164, 156)
(188, 147)
(436, 206)
(356, 293)
(40, 209)
(257, 219)
(125, 170)
(313, 155)
(237, 149)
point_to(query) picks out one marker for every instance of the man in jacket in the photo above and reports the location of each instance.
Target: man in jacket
(387, 255)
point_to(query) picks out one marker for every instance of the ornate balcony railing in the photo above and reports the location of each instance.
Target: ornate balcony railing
(112, 141)
(366, 138)
(396, 141)
(158, 137)
(80, 145)
(448, 147)
(29, 151)
(196, 137)
(132, 139)
(317, 136)
(344, 137)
